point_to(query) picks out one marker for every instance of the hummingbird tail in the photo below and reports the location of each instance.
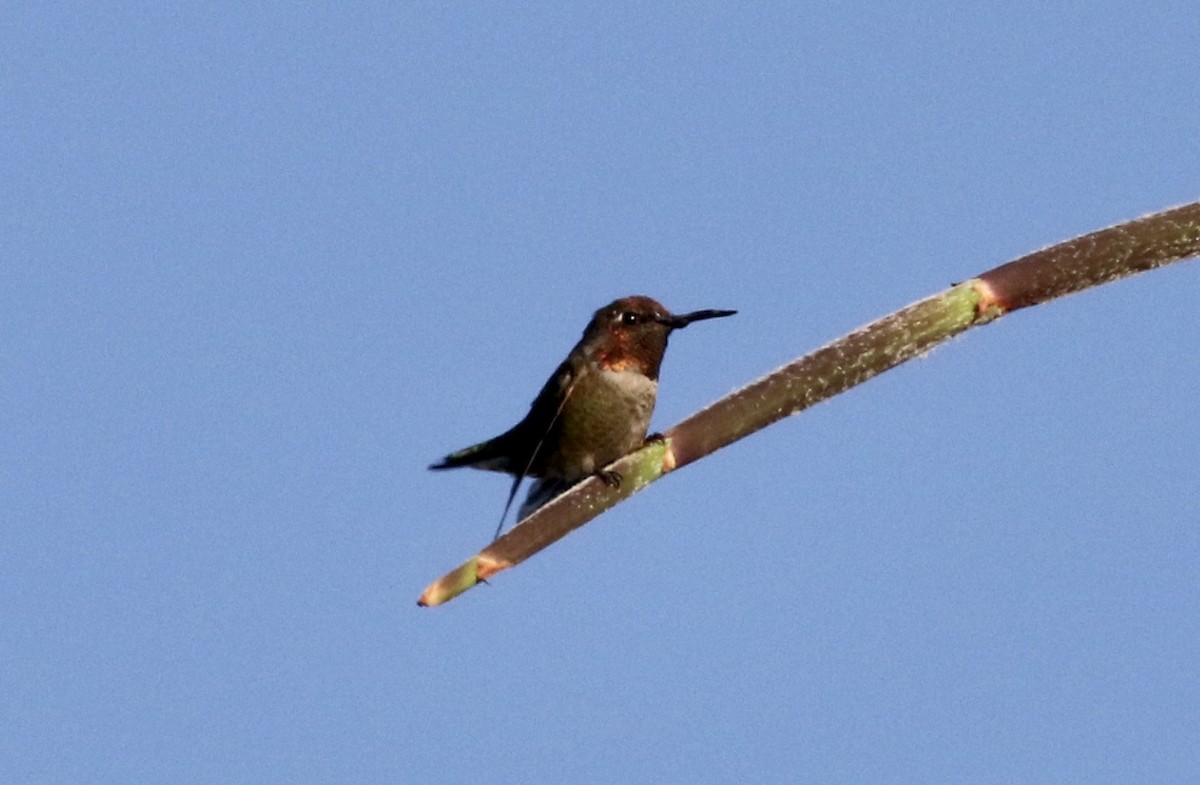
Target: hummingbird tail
(542, 491)
(490, 455)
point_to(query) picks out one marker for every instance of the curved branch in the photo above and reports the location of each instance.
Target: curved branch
(1062, 269)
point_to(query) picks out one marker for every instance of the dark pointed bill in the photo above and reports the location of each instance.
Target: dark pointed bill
(680, 321)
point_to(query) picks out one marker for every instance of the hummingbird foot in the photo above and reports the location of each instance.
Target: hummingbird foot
(610, 478)
(654, 438)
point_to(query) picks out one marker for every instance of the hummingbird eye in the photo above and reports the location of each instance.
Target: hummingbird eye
(629, 317)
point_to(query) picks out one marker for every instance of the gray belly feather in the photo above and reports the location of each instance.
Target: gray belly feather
(606, 417)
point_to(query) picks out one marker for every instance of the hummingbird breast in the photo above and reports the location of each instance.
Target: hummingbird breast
(606, 416)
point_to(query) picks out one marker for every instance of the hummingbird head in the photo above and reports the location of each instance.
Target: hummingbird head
(631, 333)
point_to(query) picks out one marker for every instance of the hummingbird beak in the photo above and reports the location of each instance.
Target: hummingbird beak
(677, 322)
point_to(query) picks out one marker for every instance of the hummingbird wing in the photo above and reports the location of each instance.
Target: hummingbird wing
(515, 450)
(555, 393)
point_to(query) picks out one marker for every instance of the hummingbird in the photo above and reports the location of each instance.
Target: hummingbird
(594, 408)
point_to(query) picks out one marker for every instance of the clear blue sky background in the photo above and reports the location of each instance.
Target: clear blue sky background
(261, 265)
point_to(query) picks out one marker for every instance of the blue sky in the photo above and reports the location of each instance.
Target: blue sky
(262, 265)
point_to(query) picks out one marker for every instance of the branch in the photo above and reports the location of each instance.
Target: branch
(1071, 266)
